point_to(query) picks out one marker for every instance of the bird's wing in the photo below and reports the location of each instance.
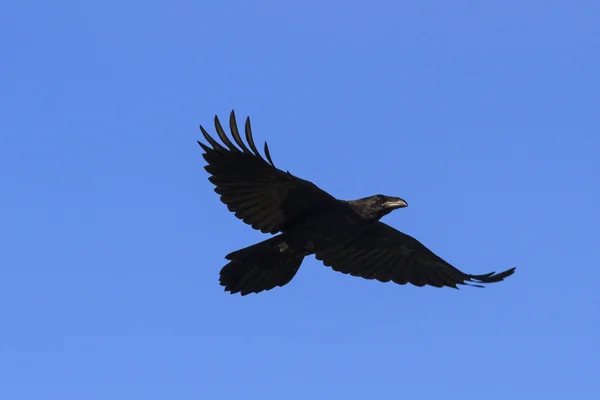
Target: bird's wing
(257, 192)
(383, 253)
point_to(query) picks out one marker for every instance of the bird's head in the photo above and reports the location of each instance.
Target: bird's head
(377, 206)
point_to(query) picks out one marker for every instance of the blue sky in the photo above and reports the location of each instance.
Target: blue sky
(483, 115)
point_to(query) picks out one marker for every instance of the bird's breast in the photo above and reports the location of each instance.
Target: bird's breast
(319, 232)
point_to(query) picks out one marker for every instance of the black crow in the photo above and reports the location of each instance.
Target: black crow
(346, 235)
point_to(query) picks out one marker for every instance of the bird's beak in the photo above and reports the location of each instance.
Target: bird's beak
(396, 203)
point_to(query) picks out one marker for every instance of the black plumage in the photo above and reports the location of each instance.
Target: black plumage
(346, 235)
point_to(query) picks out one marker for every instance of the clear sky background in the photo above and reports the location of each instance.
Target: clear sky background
(484, 115)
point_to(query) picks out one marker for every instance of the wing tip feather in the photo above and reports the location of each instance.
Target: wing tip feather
(230, 147)
(492, 277)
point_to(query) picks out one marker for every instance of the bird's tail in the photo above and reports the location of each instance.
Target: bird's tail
(260, 267)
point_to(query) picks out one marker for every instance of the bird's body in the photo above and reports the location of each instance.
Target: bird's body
(346, 235)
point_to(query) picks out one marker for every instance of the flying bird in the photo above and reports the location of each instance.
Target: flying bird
(346, 235)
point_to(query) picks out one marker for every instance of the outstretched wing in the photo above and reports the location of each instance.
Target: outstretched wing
(383, 253)
(257, 192)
